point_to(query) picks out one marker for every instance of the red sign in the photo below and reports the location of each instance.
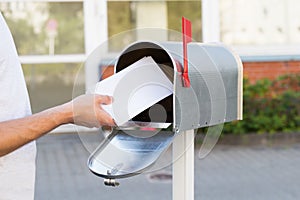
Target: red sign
(52, 25)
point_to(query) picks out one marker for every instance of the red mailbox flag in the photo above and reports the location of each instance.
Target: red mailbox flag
(186, 38)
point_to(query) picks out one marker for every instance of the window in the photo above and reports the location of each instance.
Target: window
(41, 28)
(164, 15)
(52, 84)
(261, 26)
(49, 37)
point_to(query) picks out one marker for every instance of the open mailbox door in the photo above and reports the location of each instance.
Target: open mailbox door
(122, 155)
(214, 97)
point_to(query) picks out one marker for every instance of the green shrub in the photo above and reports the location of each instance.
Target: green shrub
(269, 107)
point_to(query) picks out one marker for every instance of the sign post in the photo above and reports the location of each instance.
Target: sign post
(52, 32)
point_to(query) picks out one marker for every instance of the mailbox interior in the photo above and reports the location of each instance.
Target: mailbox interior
(166, 63)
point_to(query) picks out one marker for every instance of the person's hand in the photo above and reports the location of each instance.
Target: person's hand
(87, 111)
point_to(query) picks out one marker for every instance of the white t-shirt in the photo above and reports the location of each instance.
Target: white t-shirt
(17, 169)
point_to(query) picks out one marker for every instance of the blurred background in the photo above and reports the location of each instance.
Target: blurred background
(259, 156)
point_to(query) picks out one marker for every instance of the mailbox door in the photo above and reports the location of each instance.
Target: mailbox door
(128, 153)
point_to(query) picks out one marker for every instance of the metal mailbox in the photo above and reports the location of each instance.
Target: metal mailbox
(213, 97)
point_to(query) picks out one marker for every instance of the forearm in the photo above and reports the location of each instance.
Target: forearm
(16, 133)
(84, 110)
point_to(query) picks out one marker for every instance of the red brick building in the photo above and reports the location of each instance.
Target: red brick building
(255, 70)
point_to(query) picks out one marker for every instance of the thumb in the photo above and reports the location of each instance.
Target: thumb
(103, 99)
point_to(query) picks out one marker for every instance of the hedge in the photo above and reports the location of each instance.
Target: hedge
(269, 107)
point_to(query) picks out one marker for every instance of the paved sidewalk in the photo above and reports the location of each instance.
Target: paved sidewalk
(227, 173)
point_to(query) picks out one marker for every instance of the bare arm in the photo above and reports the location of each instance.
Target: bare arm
(84, 110)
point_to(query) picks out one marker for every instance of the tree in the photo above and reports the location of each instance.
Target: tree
(70, 35)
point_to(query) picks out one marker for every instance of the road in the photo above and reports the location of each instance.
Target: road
(228, 172)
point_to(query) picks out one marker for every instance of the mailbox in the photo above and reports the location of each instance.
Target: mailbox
(214, 96)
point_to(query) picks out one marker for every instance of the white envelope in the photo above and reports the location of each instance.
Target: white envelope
(134, 89)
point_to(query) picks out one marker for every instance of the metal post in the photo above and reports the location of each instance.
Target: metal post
(183, 166)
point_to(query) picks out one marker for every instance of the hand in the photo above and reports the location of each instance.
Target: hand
(87, 111)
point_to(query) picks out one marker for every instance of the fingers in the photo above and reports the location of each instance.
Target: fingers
(89, 112)
(105, 119)
(109, 122)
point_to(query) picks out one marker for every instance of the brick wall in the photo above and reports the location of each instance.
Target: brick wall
(271, 70)
(252, 70)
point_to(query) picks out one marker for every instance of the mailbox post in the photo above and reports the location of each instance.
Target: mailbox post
(214, 97)
(183, 166)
